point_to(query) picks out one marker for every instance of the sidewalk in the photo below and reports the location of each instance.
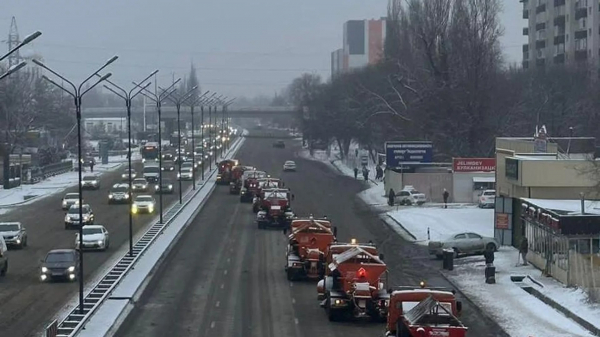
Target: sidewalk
(26, 194)
(509, 303)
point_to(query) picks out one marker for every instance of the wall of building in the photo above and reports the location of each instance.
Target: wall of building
(392, 179)
(462, 185)
(432, 184)
(556, 173)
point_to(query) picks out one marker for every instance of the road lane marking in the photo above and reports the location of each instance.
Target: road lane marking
(222, 285)
(228, 259)
(217, 304)
(225, 272)
(291, 284)
(296, 321)
(293, 300)
(212, 324)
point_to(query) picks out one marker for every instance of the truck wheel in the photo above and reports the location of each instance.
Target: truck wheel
(332, 315)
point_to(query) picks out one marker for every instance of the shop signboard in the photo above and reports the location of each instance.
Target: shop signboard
(398, 153)
(512, 168)
(502, 221)
(474, 164)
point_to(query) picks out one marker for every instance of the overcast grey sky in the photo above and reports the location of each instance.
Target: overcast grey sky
(240, 47)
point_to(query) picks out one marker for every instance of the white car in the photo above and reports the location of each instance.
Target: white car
(187, 173)
(410, 197)
(487, 198)
(289, 165)
(125, 174)
(69, 200)
(143, 204)
(139, 184)
(94, 237)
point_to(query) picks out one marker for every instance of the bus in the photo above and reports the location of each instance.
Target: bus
(150, 152)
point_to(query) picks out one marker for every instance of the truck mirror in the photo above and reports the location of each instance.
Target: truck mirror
(335, 230)
(381, 257)
(458, 306)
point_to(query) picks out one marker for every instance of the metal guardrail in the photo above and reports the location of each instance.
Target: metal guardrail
(50, 170)
(75, 321)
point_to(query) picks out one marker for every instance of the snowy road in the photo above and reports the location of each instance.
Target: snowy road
(226, 278)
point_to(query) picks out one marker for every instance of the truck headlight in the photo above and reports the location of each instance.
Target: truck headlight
(44, 270)
(71, 269)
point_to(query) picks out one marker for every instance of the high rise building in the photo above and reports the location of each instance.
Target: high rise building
(362, 45)
(561, 31)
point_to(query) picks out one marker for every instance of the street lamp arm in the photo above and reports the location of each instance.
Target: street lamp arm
(139, 91)
(161, 97)
(147, 92)
(111, 60)
(144, 80)
(199, 98)
(95, 84)
(114, 91)
(188, 94)
(58, 85)
(228, 103)
(124, 95)
(57, 75)
(27, 39)
(13, 69)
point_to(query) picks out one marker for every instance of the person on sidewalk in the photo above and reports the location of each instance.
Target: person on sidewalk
(366, 173)
(445, 195)
(92, 165)
(523, 248)
(356, 173)
(391, 197)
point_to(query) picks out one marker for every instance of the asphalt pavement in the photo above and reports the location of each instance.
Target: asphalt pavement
(26, 304)
(225, 277)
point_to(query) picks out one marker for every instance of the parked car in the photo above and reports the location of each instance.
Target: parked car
(410, 197)
(465, 243)
(487, 198)
(60, 264)
(72, 216)
(90, 182)
(14, 234)
(94, 237)
(69, 200)
(289, 165)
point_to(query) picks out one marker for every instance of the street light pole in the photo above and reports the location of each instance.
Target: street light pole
(213, 104)
(178, 102)
(158, 99)
(128, 97)
(77, 95)
(222, 102)
(192, 104)
(226, 111)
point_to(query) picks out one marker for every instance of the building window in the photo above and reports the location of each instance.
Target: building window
(558, 31)
(581, 44)
(541, 34)
(582, 23)
(525, 55)
(581, 4)
(559, 48)
(540, 53)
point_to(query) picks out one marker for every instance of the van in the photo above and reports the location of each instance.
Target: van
(3, 256)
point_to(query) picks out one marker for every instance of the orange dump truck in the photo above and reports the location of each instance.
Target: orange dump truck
(424, 312)
(353, 286)
(225, 174)
(307, 248)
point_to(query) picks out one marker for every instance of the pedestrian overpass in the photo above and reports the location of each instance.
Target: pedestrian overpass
(171, 112)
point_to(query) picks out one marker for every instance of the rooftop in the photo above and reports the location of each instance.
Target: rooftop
(566, 207)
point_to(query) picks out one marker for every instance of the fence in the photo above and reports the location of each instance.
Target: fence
(50, 170)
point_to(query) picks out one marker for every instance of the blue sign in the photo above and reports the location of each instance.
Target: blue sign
(400, 153)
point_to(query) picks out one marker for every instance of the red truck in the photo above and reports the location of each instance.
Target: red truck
(224, 175)
(275, 209)
(264, 183)
(250, 184)
(424, 312)
(236, 178)
(307, 248)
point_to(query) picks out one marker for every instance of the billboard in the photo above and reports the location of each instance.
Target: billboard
(399, 153)
(474, 164)
(502, 221)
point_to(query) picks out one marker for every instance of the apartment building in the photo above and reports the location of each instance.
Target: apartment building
(561, 31)
(362, 45)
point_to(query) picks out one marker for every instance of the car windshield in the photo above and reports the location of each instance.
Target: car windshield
(120, 189)
(166, 182)
(72, 196)
(89, 178)
(127, 171)
(140, 181)
(275, 195)
(186, 169)
(489, 193)
(151, 169)
(9, 227)
(91, 231)
(60, 257)
(143, 198)
(415, 192)
(290, 163)
(75, 209)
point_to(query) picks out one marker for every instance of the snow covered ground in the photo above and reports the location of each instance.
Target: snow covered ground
(519, 313)
(16, 196)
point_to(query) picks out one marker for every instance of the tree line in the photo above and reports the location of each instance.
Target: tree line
(443, 78)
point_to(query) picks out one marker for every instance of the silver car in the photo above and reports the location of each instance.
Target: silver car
(139, 184)
(69, 200)
(14, 234)
(463, 244)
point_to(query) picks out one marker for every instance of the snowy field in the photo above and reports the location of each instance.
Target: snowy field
(16, 196)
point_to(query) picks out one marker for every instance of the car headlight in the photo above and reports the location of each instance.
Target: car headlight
(64, 203)
(170, 186)
(110, 196)
(66, 218)
(156, 187)
(126, 196)
(71, 269)
(100, 242)
(178, 175)
(150, 208)
(44, 270)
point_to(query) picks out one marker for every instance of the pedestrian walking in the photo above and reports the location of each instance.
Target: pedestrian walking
(366, 173)
(379, 174)
(356, 173)
(445, 195)
(391, 197)
(92, 165)
(523, 249)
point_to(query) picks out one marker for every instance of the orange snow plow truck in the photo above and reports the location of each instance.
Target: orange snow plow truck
(353, 286)
(225, 174)
(307, 248)
(424, 312)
